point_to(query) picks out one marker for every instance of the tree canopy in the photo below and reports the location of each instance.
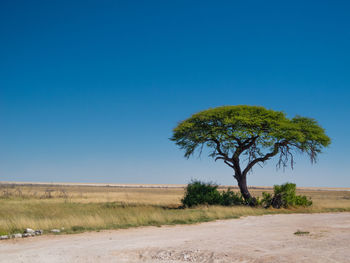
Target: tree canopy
(256, 132)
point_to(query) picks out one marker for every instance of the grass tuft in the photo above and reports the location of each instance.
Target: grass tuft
(301, 233)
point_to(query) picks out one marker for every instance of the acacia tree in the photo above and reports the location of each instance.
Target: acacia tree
(245, 136)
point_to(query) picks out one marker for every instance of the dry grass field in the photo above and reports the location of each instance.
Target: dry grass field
(77, 208)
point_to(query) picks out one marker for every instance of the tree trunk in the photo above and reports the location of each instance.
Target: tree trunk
(242, 184)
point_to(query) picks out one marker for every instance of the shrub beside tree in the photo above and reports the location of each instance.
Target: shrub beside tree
(200, 193)
(284, 196)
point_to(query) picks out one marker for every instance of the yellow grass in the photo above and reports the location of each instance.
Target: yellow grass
(79, 208)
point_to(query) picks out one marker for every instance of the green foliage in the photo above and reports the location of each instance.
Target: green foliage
(302, 200)
(200, 193)
(284, 196)
(229, 198)
(266, 200)
(232, 127)
(286, 192)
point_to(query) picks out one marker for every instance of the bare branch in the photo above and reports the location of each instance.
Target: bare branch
(232, 166)
(284, 157)
(245, 146)
(218, 148)
(223, 156)
(219, 158)
(267, 156)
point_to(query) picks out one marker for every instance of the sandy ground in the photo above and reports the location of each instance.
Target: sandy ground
(268, 238)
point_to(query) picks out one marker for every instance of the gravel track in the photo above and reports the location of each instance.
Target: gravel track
(268, 238)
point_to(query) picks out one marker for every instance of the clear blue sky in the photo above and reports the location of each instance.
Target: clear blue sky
(90, 90)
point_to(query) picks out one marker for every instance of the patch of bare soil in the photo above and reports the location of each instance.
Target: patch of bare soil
(269, 238)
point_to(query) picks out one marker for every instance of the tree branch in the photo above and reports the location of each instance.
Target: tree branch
(266, 157)
(250, 142)
(218, 149)
(245, 146)
(223, 156)
(232, 166)
(235, 157)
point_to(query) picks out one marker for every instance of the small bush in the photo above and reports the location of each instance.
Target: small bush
(284, 196)
(229, 198)
(302, 200)
(200, 193)
(266, 200)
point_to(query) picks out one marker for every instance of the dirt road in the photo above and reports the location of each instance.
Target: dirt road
(268, 238)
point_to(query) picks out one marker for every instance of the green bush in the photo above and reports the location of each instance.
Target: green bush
(302, 200)
(229, 198)
(266, 200)
(200, 193)
(284, 196)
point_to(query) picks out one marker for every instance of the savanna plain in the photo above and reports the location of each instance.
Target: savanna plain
(76, 208)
